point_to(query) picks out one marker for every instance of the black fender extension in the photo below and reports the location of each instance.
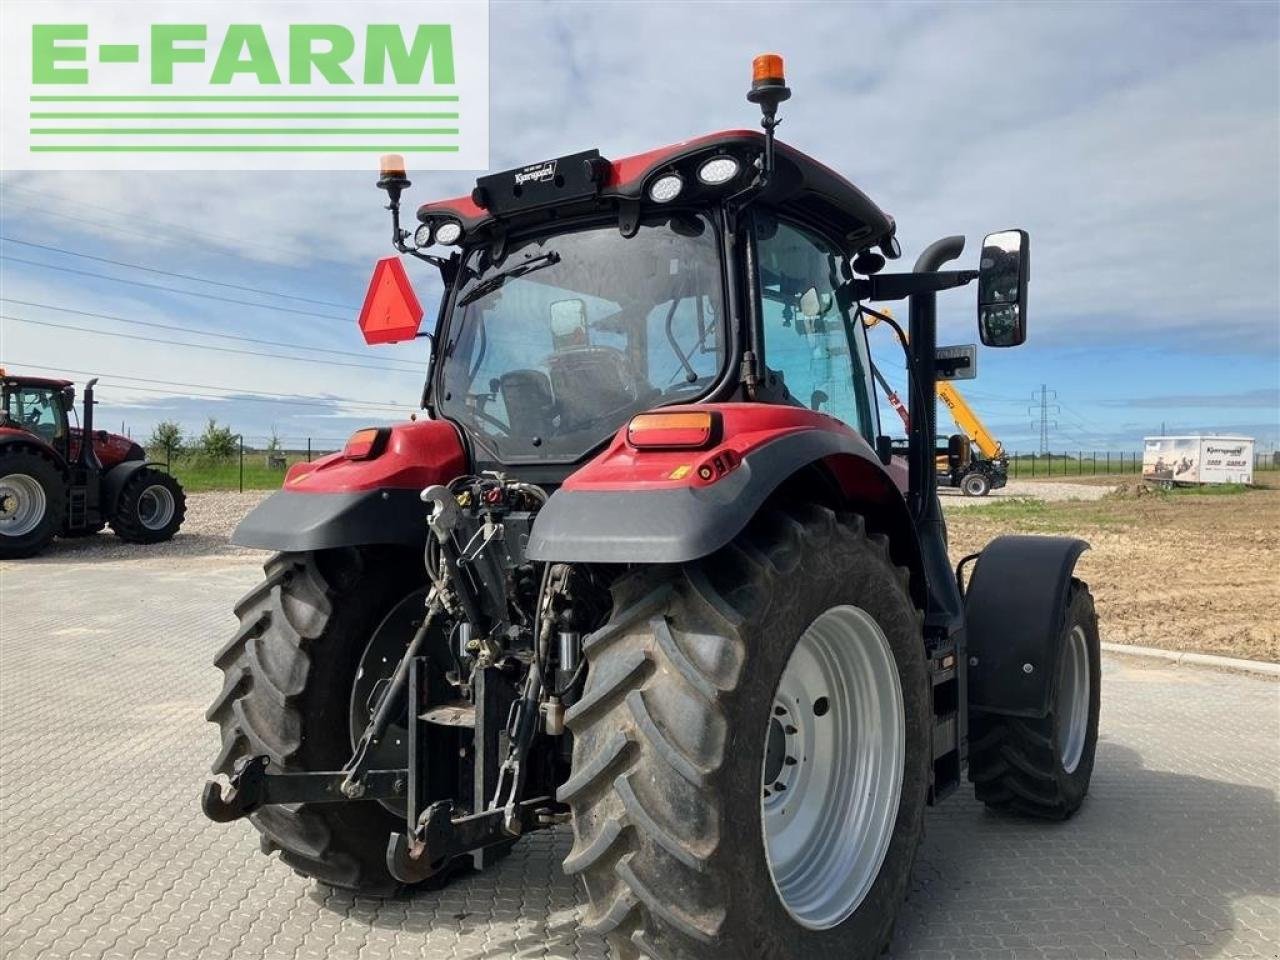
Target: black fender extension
(1014, 608)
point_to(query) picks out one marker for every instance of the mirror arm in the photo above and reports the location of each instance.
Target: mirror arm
(899, 286)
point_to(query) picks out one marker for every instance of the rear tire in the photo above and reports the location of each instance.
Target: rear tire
(1042, 767)
(670, 834)
(975, 484)
(151, 507)
(289, 671)
(33, 501)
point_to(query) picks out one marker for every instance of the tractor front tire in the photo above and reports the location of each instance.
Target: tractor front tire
(687, 737)
(976, 484)
(1041, 767)
(151, 507)
(33, 501)
(288, 674)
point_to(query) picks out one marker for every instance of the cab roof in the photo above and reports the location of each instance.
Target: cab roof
(800, 185)
(13, 379)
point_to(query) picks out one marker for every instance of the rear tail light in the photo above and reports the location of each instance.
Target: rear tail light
(691, 430)
(367, 443)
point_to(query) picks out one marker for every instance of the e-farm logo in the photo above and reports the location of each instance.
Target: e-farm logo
(237, 85)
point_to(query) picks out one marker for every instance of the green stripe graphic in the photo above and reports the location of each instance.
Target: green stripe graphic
(263, 98)
(96, 115)
(275, 131)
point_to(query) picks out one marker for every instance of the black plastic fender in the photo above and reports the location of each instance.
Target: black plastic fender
(1014, 609)
(113, 482)
(680, 524)
(290, 522)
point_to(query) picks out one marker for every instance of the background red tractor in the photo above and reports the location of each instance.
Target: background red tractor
(53, 483)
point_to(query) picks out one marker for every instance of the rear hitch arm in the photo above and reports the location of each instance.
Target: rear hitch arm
(252, 787)
(439, 838)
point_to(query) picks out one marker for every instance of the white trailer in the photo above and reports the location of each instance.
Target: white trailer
(1172, 460)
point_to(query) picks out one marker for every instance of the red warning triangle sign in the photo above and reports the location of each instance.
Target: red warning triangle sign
(391, 311)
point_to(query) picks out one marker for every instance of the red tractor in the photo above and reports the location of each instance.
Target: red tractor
(52, 483)
(648, 569)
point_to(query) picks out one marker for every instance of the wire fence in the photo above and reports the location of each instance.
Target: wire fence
(1094, 463)
(255, 463)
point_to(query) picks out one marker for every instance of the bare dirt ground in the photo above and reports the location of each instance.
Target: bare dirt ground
(1185, 572)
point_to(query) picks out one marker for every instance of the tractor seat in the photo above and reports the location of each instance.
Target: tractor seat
(590, 383)
(529, 403)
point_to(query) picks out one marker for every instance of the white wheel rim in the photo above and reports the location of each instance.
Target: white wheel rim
(22, 504)
(155, 507)
(832, 767)
(1073, 699)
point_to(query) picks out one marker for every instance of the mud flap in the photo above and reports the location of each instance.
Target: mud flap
(1014, 609)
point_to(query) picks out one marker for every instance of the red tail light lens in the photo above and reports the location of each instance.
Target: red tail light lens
(691, 430)
(367, 443)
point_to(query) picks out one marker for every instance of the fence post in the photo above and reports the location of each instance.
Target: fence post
(1033, 465)
(240, 437)
(308, 449)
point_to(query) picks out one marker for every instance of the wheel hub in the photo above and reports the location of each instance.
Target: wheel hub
(831, 767)
(22, 504)
(1073, 695)
(155, 507)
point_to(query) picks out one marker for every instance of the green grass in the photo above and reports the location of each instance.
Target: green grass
(1210, 490)
(1031, 515)
(198, 475)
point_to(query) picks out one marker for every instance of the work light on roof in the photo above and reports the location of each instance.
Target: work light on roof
(718, 170)
(448, 233)
(422, 236)
(666, 188)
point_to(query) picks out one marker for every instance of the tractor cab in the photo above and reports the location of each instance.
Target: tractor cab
(39, 406)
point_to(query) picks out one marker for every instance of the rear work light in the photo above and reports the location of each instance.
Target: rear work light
(367, 443)
(692, 430)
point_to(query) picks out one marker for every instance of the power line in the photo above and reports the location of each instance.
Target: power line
(203, 333)
(172, 289)
(183, 229)
(196, 346)
(238, 393)
(171, 273)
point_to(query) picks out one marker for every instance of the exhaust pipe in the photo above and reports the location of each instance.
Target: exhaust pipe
(86, 456)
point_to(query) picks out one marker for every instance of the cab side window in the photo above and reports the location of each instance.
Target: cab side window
(809, 341)
(36, 410)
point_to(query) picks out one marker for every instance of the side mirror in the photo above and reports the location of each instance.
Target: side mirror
(1003, 273)
(884, 449)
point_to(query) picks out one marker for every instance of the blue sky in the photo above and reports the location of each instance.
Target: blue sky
(1138, 143)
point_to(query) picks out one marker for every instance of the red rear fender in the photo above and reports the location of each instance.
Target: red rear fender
(417, 454)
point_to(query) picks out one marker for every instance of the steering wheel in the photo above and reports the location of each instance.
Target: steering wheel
(478, 411)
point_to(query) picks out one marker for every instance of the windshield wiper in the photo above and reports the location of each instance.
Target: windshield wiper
(498, 279)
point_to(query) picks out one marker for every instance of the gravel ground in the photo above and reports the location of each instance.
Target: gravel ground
(210, 519)
(1051, 490)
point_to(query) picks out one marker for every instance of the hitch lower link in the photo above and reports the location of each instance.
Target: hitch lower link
(434, 837)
